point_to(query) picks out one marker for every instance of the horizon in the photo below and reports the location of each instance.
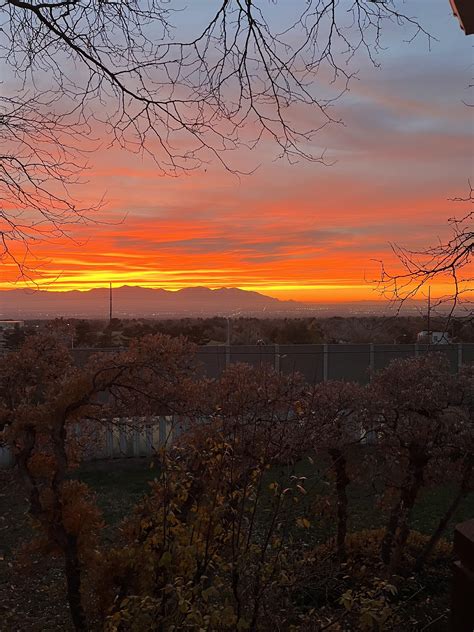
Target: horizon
(380, 299)
(155, 303)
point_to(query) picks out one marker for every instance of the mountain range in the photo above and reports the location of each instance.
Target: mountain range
(136, 301)
(141, 302)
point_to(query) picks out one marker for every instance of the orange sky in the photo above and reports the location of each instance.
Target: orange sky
(303, 231)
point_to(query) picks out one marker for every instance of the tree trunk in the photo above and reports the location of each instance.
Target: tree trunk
(73, 579)
(389, 537)
(66, 541)
(397, 530)
(445, 520)
(22, 457)
(342, 480)
(404, 530)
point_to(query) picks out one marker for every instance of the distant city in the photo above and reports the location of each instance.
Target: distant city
(135, 302)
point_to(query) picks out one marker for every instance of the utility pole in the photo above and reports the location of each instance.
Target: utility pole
(429, 315)
(110, 301)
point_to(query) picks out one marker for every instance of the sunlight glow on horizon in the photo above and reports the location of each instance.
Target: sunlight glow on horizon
(307, 293)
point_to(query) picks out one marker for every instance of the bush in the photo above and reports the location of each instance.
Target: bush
(225, 539)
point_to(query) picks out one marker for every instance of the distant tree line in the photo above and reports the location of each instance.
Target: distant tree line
(203, 331)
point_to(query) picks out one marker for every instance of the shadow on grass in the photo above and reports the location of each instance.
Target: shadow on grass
(119, 484)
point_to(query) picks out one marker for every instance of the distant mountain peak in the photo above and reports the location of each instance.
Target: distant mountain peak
(134, 300)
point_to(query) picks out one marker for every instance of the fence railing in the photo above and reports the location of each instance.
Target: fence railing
(117, 438)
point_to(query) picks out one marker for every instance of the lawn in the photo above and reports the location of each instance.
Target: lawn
(120, 483)
(32, 590)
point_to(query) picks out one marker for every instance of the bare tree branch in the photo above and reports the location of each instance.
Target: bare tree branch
(448, 261)
(129, 68)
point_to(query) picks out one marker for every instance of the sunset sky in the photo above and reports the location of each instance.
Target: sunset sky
(303, 231)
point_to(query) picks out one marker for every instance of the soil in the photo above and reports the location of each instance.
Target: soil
(32, 587)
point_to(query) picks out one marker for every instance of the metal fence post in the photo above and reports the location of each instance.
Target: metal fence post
(325, 363)
(277, 358)
(162, 431)
(109, 441)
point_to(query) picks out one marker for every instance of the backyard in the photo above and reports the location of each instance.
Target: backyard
(33, 587)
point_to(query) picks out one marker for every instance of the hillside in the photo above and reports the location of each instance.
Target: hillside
(133, 301)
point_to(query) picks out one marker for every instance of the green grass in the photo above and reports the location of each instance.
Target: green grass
(119, 485)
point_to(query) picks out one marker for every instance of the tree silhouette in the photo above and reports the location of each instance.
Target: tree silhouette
(448, 260)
